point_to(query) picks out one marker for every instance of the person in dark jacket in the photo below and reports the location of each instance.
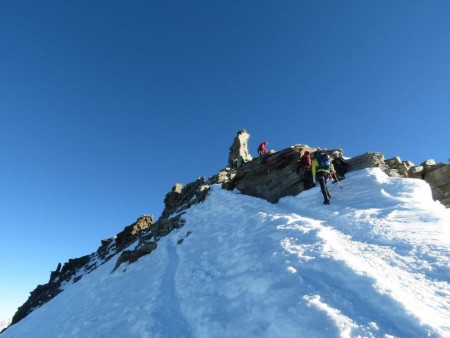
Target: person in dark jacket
(340, 165)
(304, 166)
(262, 148)
(322, 173)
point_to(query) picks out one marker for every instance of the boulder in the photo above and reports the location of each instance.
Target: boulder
(415, 172)
(367, 160)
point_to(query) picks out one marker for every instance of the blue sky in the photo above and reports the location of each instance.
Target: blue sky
(104, 105)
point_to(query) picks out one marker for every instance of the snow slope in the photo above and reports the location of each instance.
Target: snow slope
(375, 263)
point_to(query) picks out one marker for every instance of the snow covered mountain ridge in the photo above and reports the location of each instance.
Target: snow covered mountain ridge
(145, 236)
(375, 263)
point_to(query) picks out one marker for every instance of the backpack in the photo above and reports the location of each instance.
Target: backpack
(323, 160)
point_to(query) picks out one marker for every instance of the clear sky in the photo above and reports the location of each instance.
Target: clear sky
(104, 105)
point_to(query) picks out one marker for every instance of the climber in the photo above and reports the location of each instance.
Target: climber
(304, 166)
(238, 162)
(262, 148)
(322, 168)
(340, 165)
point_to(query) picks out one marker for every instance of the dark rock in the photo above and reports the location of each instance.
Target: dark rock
(39, 296)
(132, 256)
(182, 198)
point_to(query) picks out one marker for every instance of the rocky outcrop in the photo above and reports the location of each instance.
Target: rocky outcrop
(176, 202)
(73, 270)
(183, 197)
(437, 175)
(439, 181)
(269, 176)
(367, 160)
(131, 256)
(44, 293)
(39, 296)
(128, 235)
(273, 176)
(239, 148)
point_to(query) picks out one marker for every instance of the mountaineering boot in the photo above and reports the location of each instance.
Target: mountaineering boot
(326, 202)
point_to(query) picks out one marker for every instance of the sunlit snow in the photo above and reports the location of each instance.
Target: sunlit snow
(375, 263)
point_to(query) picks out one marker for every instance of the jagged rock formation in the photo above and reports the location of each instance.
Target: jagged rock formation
(271, 176)
(240, 147)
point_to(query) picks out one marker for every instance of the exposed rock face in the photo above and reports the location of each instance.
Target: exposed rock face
(269, 176)
(273, 176)
(367, 160)
(39, 296)
(73, 270)
(240, 147)
(439, 181)
(182, 198)
(128, 235)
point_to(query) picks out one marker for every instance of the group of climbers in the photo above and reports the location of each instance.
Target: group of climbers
(320, 169)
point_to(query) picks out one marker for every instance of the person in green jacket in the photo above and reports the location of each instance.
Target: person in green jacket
(322, 168)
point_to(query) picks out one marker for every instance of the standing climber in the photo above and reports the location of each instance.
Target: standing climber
(304, 166)
(340, 165)
(322, 168)
(262, 148)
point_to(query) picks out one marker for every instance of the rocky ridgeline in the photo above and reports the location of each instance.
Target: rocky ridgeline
(271, 176)
(135, 241)
(73, 270)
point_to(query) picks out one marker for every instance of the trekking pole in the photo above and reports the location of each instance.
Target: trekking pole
(337, 181)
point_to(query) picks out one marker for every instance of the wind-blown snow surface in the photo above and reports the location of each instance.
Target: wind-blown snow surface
(375, 263)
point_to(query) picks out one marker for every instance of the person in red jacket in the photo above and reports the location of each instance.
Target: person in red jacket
(304, 166)
(262, 148)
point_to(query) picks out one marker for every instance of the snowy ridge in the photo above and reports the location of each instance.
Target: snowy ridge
(375, 263)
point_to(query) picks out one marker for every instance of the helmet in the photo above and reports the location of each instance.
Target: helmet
(335, 153)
